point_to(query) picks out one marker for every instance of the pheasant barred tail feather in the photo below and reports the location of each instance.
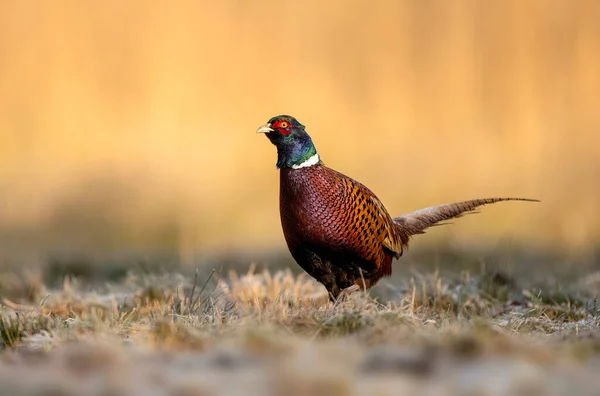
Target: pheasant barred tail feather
(416, 222)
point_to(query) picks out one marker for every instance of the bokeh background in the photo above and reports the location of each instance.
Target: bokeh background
(129, 126)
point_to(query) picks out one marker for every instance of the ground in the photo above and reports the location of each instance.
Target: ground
(275, 333)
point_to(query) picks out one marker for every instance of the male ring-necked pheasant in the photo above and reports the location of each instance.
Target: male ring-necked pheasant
(336, 229)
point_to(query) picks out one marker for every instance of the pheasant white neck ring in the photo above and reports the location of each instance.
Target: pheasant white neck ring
(314, 160)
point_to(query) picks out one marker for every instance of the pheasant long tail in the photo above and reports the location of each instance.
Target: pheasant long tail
(416, 222)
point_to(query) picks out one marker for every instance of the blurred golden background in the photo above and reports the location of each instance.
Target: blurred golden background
(130, 125)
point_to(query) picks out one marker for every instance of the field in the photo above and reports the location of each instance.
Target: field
(141, 250)
(275, 333)
(132, 125)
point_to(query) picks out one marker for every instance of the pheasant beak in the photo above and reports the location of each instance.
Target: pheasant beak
(265, 129)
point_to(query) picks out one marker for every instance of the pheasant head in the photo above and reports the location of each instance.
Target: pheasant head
(295, 148)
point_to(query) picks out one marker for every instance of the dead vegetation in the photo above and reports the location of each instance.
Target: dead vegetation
(275, 333)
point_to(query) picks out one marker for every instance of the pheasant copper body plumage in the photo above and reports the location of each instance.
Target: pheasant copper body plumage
(336, 229)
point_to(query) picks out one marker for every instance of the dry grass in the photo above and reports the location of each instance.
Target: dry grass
(146, 112)
(272, 334)
(129, 126)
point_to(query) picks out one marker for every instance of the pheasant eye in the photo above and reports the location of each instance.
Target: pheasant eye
(283, 125)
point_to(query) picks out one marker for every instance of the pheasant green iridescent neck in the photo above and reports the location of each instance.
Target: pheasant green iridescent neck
(295, 151)
(295, 148)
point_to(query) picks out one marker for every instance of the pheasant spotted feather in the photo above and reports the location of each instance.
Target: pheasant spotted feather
(336, 229)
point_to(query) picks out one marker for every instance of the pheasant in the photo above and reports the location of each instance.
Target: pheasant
(336, 229)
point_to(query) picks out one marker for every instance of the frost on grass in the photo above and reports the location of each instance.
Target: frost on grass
(275, 333)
